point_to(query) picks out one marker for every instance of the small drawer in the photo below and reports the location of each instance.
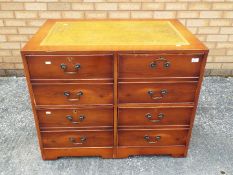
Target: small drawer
(61, 139)
(92, 117)
(158, 92)
(164, 137)
(153, 65)
(154, 116)
(70, 66)
(71, 94)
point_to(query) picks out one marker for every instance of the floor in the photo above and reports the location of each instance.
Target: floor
(211, 149)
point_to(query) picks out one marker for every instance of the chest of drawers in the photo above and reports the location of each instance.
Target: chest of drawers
(114, 88)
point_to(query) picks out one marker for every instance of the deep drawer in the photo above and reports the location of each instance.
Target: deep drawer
(152, 65)
(158, 92)
(152, 137)
(71, 94)
(70, 66)
(62, 139)
(88, 117)
(154, 116)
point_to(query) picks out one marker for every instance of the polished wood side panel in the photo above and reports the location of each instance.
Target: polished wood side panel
(77, 118)
(90, 66)
(53, 94)
(167, 137)
(154, 65)
(196, 99)
(137, 92)
(32, 100)
(129, 117)
(61, 139)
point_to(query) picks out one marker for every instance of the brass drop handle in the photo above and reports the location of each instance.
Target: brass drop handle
(149, 117)
(79, 94)
(166, 63)
(80, 118)
(163, 92)
(155, 139)
(82, 139)
(64, 68)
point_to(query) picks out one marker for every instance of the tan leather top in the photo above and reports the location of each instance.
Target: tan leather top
(105, 35)
(117, 33)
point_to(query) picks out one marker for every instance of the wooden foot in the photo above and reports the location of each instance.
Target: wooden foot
(121, 157)
(107, 156)
(49, 157)
(178, 155)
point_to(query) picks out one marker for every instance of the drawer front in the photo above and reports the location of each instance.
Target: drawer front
(75, 117)
(77, 139)
(151, 65)
(152, 137)
(157, 92)
(70, 94)
(70, 67)
(154, 116)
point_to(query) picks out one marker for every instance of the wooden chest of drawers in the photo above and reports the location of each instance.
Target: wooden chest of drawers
(114, 88)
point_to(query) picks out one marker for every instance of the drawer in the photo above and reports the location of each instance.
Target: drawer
(71, 94)
(61, 139)
(152, 137)
(152, 65)
(154, 116)
(157, 92)
(75, 117)
(70, 66)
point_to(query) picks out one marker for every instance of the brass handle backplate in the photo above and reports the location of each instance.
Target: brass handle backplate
(152, 140)
(163, 92)
(64, 68)
(74, 141)
(80, 118)
(79, 94)
(166, 63)
(149, 117)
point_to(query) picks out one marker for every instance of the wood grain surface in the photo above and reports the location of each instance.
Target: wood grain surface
(110, 96)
